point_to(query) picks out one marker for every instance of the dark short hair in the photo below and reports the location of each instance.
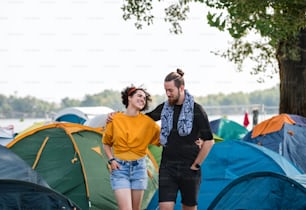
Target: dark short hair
(130, 91)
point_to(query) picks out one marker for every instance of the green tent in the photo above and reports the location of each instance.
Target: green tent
(228, 129)
(70, 157)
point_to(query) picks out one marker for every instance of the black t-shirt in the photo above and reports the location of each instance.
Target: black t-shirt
(183, 148)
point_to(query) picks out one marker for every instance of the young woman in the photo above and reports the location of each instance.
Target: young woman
(125, 142)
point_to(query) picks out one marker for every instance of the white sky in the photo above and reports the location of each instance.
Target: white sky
(51, 49)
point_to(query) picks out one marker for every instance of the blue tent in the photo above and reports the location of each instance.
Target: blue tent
(73, 115)
(261, 190)
(229, 160)
(300, 179)
(289, 140)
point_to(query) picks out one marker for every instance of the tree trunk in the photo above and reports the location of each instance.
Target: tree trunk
(292, 77)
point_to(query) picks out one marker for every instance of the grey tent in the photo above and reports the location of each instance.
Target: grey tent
(23, 188)
(15, 168)
(22, 195)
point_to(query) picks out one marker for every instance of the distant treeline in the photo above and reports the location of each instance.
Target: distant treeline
(226, 104)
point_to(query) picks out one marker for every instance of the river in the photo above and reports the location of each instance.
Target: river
(20, 125)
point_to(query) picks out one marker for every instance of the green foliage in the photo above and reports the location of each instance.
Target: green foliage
(269, 97)
(67, 102)
(30, 107)
(274, 22)
(215, 21)
(277, 20)
(176, 13)
(141, 10)
(26, 107)
(108, 98)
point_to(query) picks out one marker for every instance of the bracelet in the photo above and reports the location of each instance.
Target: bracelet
(110, 160)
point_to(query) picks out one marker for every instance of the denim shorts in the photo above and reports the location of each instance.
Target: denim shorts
(131, 175)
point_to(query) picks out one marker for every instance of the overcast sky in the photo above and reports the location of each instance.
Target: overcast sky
(51, 49)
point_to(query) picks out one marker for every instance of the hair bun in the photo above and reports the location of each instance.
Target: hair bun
(180, 72)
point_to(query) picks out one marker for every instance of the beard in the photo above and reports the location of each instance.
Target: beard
(172, 101)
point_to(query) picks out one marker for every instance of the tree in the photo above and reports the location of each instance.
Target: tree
(67, 102)
(280, 24)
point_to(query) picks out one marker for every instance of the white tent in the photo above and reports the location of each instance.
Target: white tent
(97, 122)
(81, 114)
(6, 134)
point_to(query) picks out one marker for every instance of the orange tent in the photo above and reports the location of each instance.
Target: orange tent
(271, 125)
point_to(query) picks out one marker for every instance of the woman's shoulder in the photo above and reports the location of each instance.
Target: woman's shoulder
(142, 115)
(118, 115)
(146, 117)
(121, 115)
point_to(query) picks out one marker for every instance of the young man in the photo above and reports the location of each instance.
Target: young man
(183, 122)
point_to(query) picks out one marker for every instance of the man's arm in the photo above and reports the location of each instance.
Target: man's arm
(205, 149)
(206, 136)
(155, 113)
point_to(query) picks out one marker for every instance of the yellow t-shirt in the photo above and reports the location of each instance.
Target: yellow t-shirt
(129, 136)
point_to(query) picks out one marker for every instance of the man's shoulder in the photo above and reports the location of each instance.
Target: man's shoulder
(160, 106)
(199, 108)
(197, 105)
